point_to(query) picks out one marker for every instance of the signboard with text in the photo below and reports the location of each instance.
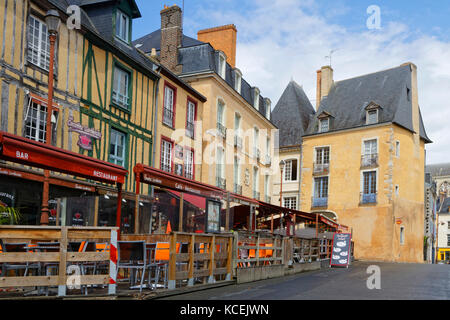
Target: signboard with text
(341, 254)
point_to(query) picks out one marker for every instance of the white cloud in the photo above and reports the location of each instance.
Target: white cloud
(281, 39)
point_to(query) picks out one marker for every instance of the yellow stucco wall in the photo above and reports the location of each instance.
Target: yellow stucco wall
(375, 231)
(214, 88)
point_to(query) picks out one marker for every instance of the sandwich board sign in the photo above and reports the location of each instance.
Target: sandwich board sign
(340, 254)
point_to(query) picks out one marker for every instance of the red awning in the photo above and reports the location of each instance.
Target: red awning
(36, 154)
(275, 208)
(170, 181)
(199, 202)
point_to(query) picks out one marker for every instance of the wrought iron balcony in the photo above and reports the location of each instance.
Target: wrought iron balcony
(319, 202)
(256, 195)
(222, 130)
(238, 142)
(321, 168)
(237, 189)
(369, 160)
(368, 198)
(168, 117)
(221, 183)
(190, 130)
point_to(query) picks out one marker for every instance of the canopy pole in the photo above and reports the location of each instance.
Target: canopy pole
(317, 225)
(271, 224)
(227, 214)
(119, 209)
(180, 213)
(136, 206)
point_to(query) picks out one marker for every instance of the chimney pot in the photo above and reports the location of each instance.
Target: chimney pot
(222, 38)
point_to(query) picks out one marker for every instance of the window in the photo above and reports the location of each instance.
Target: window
(169, 106)
(190, 119)
(448, 240)
(321, 187)
(256, 143)
(268, 108)
(220, 168)
(370, 182)
(117, 147)
(266, 188)
(122, 26)
(166, 155)
(256, 99)
(121, 88)
(221, 118)
(256, 194)
(402, 235)
(222, 64)
(237, 178)
(397, 149)
(189, 163)
(36, 122)
(324, 125)
(290, 170)
(237, 80)
(290, 203)
(268, 147)
(38, 43)
(323, 155)
(372, 116)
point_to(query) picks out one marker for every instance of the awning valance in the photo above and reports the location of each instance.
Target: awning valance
(36, 154)
(170, 181)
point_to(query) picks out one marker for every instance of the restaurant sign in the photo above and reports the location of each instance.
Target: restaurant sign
(86, 134)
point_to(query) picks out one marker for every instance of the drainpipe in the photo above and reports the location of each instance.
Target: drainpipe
(152, 189)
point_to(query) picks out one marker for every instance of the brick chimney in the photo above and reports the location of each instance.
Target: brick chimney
(324, 83)
(171, 35)
(222, 38)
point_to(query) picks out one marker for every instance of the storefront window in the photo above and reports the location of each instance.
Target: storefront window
(107, 214)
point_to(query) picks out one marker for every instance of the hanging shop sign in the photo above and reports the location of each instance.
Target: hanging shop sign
(86, 134)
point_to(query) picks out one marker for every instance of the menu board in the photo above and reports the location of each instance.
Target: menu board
(213, 216)
(340, 254)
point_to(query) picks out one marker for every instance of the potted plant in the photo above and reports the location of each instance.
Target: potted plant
(9, 216)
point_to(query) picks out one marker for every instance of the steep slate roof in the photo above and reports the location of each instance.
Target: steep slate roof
(196, 56)
(438, 170)
(153, 40)
(292, 115)
(347, 101)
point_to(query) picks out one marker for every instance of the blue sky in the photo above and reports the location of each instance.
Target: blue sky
(280, 40)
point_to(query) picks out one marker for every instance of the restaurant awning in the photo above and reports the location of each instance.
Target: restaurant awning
(36, 154)
(170, 181)
(277, 209)
(196, 201)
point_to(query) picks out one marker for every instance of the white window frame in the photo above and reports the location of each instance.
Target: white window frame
(322, 158)
(363, 146)
(255, 179)
(320, 125)
(119, 15)
(38, 53)
(285, 170)
(290, 198)
(268, 108)
(166, 155)
(114, 157)
(169, 104)
(120, 98)
(266, 186)
(362, 179)
(256, 99)
(368, 116)
(190, 117)
(237, 171)
(222, 65)
(220, 164)
(314, 185)
(41, 118)
(189, 163)
(238, 80)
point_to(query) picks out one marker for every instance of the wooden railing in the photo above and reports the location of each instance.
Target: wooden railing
(258, 249)
(305, 250)
(62, 260)
(208, 260)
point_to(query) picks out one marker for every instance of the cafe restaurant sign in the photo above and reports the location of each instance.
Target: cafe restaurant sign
(86, 134)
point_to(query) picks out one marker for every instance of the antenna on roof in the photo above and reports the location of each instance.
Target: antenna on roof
(330, 56)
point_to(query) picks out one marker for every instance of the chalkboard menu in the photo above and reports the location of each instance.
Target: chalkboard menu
(340, 254)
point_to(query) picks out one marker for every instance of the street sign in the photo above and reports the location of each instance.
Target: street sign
(340, 254)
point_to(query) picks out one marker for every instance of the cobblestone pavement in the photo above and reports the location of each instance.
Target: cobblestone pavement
(398, 281)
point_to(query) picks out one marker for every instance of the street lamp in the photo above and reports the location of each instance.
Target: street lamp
(53, 21)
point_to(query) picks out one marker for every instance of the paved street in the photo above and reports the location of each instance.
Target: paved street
(398, 281)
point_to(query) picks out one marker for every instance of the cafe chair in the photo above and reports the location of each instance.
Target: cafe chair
(131, 256)
(17, 247)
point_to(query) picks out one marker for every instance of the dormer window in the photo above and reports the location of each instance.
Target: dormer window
(372, 116)
(256, 99)
(222, 65)
(122, 26)
(268, 107)
(237, 80)
(324, 125)
(372, 113)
